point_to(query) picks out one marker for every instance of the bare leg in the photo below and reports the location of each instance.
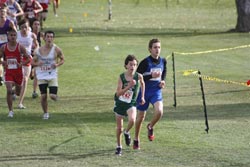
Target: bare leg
(119, 128)
(23, 89)
(1, 75)
(9, 86)
(55, 5)
(131, 118)
(158, 106)
(140, 118)
(44, 103)
(34, 94)
(34, 84)
(26, 74)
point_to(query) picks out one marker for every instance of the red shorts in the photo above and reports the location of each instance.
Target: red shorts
(16, 77)
(29, 63)
(45, 6)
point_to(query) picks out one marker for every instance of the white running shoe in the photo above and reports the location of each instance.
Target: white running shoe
(21, 106)
(11, 114)
(46, 115)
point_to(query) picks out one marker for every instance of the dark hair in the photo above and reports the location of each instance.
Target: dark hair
(35, 21)
(128, 59)
(49, 32)
(3, 6)
(23, 21)
(152, 41)
(11, 30)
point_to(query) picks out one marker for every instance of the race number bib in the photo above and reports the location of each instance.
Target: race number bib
(156, 70)
(43, 1)
(127, 96)
(31, 15)
(12, 63)
(46, 68)
(3, 38)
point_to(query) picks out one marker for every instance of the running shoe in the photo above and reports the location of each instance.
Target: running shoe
(1, 81)
(46, 115)
(127, 138)
(118, 151)
(34, 95)
(21, 106)
(150, 133)
(11, 114)
(136, 145)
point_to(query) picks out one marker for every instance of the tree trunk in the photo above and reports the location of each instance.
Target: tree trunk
(243, 11)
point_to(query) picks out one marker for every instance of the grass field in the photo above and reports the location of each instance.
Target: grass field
(81, 131)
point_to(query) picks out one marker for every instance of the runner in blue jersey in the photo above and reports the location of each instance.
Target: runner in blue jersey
(153, 68)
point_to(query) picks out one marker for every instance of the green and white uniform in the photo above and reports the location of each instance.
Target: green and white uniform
(128, 99)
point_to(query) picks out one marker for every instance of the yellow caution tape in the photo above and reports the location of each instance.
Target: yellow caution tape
(195, 73)
(211, 51)
(168, 57)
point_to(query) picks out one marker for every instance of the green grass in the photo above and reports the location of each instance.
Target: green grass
(81, 131)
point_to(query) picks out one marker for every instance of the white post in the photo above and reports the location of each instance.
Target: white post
(110, 10)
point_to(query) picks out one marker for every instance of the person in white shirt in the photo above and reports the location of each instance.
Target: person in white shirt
(46, 60)
(28, 39)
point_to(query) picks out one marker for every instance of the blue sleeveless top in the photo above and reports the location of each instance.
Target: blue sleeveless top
(153, 83)
(3, 32)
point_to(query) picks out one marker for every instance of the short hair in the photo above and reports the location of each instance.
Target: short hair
(152, 41)
(49, 32)
(11, 30)
(23, 21)
(3, 6)
(35, 21)
(129, 58)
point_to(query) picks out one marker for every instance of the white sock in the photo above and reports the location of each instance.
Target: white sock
(126, 132)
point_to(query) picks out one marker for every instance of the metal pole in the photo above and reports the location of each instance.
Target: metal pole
(173, 61)
(204, 101)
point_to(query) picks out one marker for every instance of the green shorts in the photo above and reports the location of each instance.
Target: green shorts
(122, 108)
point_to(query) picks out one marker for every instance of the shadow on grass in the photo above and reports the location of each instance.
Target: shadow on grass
(104, 115)
(51, 149)
(197, 93)
(69, 156)
(215, 112)
(74, 110)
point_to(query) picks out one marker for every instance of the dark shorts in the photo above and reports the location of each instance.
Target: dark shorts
(121, 109)
(52, 89)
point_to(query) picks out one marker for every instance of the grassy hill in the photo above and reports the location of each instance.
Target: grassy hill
(81, 130)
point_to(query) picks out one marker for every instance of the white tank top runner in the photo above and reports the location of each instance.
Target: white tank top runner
(25, 41)
(46, 71)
